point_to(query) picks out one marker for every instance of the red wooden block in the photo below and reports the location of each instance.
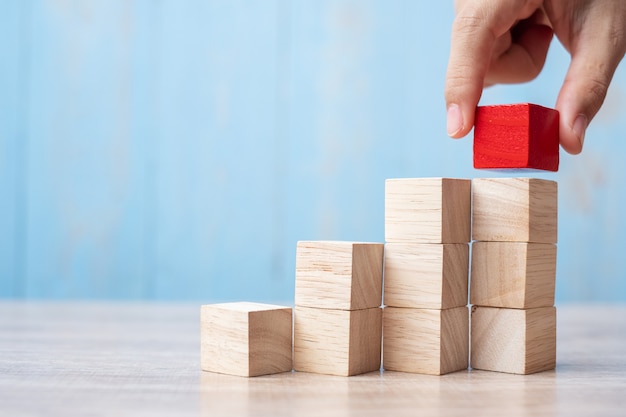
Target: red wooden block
(516, 136)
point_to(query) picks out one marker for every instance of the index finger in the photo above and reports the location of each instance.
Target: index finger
(476, 28)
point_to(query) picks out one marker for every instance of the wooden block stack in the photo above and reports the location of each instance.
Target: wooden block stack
(425, 319)
(339, 325)
(513, 275)
(337, 319)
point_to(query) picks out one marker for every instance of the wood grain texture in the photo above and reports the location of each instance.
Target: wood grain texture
(427, 210)
(204, 104)
(513, 274)
(216, 112)
(425, 341)
(516, 136)
(339, 275)
(208, 93)
(14, 85)
(514, 209)
(425, 275)
(142, 359)
(245, 339)
(87, 164)
(512, 340)
(337, 342)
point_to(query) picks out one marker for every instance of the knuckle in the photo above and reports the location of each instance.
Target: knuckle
(596, 92)
(467, 24)
(459, 86)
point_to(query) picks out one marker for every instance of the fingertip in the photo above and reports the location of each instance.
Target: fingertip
(572, 136)
(454, 123)
(459, 121)
(579, 128)
(462, 97)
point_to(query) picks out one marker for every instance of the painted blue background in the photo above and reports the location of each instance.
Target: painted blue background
(179, 149)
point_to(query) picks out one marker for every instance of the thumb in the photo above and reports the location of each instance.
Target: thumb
(593, 64)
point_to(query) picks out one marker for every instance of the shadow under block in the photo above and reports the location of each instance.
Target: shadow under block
(513, 274)
(245, 339)
(337, 342)
(516, 136)
(424, 341)
(427, 210)
(514, 210)
(512, 340)
(425, 275)
(339, 275)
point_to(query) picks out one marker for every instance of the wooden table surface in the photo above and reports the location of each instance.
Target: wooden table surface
(127, 359)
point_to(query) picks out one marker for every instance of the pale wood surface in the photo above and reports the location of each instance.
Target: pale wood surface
(246, 339)
(427, 210)
(426, 275)
(122, 359)
(514, 209)
(513, 340)
(337, 342)
(425, 341)
(339, 275)
(513, 274)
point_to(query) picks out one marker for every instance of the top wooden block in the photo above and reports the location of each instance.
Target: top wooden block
(339, 275)
(427, 210)
(514, 210)
(516, 136)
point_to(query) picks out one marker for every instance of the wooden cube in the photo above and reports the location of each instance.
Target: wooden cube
(512, 340)
(514, 210)
(426, 275)
(427, 210)
(245, 339)
(339, 275)
(516, 136)
(513, 274)
(425, 341)
(337, 342)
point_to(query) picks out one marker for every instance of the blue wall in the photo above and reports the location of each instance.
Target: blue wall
(178, 149)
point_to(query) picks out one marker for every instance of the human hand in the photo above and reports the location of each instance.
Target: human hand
(506, 41)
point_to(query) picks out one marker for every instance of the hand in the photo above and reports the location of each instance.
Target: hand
(506, 41)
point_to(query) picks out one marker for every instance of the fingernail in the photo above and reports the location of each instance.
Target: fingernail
(455, 120)
(580, 127)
